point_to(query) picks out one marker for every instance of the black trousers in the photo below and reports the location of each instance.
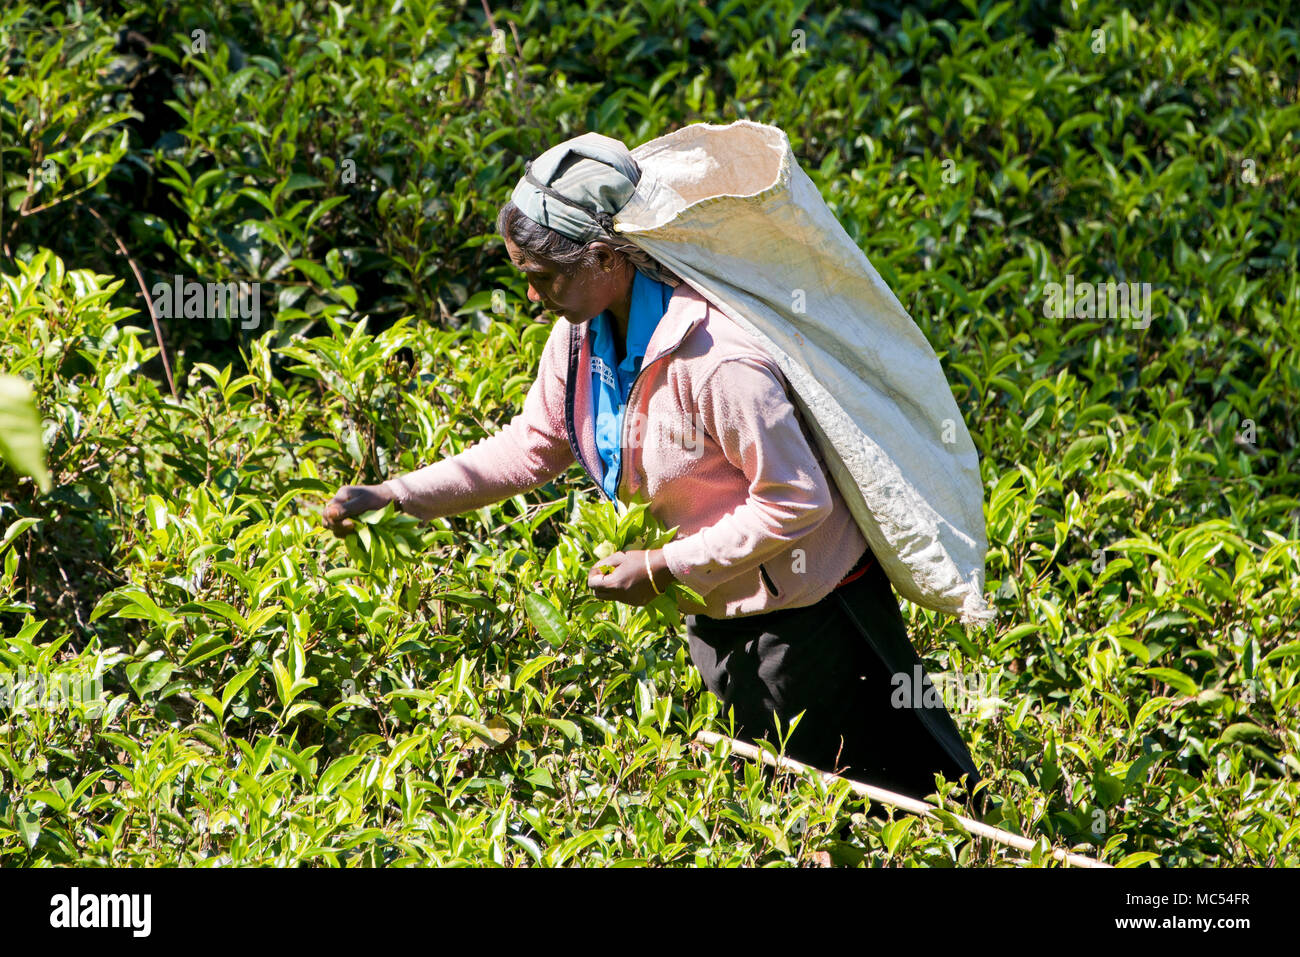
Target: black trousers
(836, 661)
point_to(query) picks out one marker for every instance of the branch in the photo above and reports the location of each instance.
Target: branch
(707, 739)
(514, 59)
(144, 291)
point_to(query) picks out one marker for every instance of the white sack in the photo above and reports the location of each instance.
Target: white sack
(729, 210)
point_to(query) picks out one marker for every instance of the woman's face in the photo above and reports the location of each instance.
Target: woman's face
(570, 292)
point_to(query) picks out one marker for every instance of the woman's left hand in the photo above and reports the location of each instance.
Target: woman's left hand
(628, 581)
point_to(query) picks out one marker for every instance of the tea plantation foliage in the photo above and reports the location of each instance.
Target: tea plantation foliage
(196, 672)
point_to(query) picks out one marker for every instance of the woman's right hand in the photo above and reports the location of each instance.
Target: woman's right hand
(349, 501)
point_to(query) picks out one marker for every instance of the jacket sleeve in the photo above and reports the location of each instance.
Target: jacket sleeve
(529, 451)
(743, 404)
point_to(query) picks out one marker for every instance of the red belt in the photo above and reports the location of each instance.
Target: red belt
(858, 570)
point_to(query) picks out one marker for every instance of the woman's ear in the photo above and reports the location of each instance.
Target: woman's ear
(606, 257)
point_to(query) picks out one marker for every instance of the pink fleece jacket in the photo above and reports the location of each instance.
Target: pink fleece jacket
(711, 440)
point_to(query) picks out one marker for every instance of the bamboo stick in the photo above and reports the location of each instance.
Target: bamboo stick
(892, 799)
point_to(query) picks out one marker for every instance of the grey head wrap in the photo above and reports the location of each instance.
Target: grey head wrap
(577, 186)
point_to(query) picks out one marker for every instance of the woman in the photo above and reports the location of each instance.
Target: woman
(662, 399)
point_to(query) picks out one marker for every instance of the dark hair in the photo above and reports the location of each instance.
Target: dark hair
(543, 243)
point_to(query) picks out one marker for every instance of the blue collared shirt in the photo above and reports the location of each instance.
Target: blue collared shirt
(611, 380)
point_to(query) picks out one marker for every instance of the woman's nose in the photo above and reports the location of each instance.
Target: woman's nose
(533, 294)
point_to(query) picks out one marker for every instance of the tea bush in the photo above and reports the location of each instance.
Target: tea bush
(196, 672)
